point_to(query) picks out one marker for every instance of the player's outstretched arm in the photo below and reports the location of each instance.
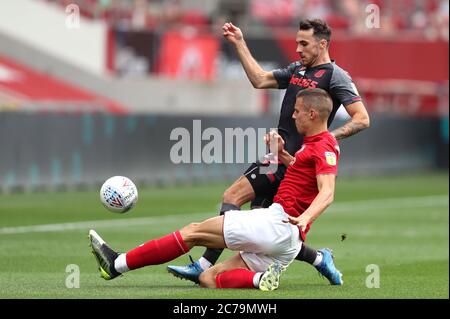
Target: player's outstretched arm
(360, 121)
(325, 184)
(259, 78)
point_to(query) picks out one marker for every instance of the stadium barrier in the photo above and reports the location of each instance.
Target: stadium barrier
(53, 152)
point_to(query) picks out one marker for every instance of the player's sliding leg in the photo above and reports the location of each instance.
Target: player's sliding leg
(113, 264)
(234, 197)
(157, 251)
(322, 260)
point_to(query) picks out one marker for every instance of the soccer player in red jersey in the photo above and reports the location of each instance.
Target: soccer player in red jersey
(268, 239)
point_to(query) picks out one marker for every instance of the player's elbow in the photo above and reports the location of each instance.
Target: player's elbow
(365, 122)
(261, 81)
(258, 84)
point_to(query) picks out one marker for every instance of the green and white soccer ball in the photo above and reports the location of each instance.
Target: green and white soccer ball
(118, 194)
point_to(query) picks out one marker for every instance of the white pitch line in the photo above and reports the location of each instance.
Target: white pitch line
(402, 202)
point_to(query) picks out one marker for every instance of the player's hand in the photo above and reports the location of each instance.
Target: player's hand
(274, 141)
(300, 221)
(232, 33)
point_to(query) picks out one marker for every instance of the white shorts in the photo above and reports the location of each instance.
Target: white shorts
(261, 236)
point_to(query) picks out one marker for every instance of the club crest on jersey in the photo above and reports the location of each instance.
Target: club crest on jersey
(330, 158)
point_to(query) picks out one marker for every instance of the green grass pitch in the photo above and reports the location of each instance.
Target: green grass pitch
(399, 224)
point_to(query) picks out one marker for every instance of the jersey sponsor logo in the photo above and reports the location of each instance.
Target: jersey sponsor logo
(319, 73)
(304, 83)
(330, 158)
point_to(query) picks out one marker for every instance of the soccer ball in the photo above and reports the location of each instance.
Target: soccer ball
(118, 194)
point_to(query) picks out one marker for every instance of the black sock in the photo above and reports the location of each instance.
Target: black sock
(307, 254)
(212, 254)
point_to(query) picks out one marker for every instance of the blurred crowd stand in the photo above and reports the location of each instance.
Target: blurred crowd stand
(423, 18)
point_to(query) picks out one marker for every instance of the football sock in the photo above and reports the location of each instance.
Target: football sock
(120, 264)
(157, 251)
(307, 254)
(238, 278)
(204, 263)
(257, 278)
(212, 254)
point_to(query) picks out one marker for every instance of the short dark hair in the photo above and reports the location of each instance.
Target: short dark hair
(321, 29)
(317, 99)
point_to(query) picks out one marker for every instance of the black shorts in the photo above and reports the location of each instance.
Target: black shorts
(265, 176)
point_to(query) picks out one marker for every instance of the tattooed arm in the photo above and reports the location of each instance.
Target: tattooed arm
(360, 121)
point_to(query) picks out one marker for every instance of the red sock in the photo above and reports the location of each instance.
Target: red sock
(236, 278)
(157, 251)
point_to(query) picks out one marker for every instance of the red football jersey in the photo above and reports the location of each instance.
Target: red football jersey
(319, 154)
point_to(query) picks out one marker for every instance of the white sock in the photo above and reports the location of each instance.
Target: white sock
(204, 263)
(318, 259)
(257, 278)
(120, 264)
